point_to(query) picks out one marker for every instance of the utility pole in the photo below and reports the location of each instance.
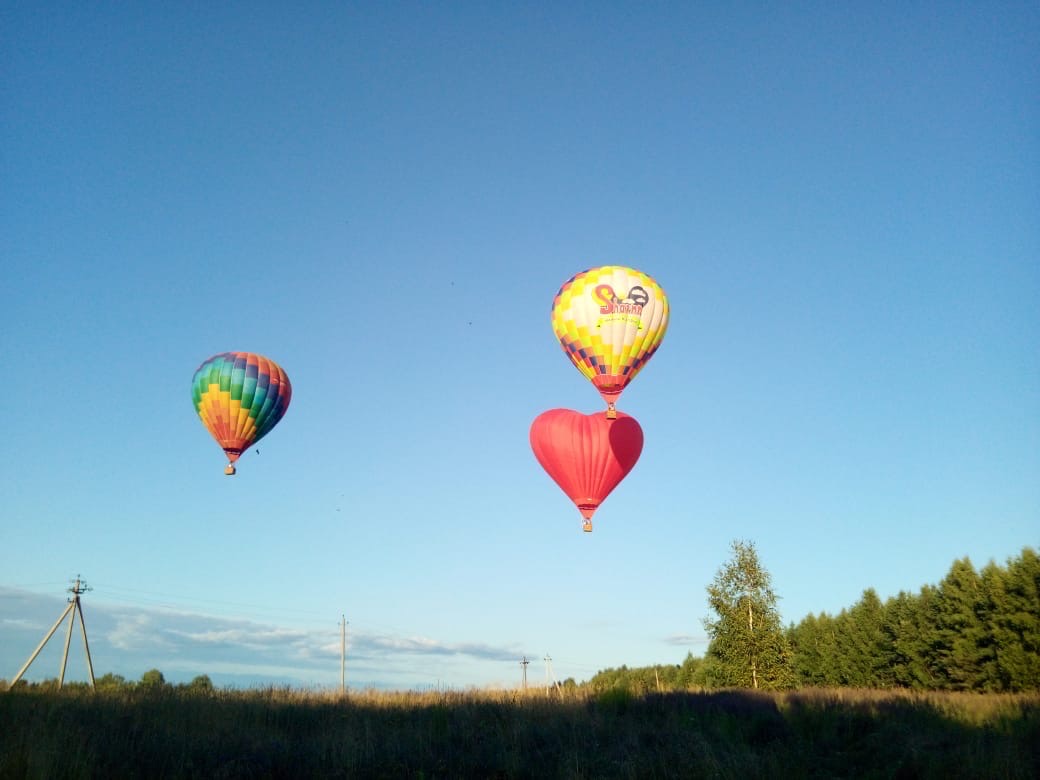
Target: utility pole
(549, 674)
(343, 656)
(71, 610)
(523, 665)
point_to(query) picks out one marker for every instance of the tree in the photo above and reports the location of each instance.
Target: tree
(201, 684)
(747, 639)
(110, 682)
(814, 650)
(687, 674)
(904, 648)
(958, 651)
(153, 678)
(1015, 623)
(860, 642)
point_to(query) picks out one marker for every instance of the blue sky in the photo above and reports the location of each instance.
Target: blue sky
(842, 203)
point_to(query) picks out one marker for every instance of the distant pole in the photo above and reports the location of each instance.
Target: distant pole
(343, 656)
(523, 665)
(550, 674)
(72, 610)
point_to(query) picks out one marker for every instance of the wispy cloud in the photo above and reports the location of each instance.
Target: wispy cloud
(686, 640)
(19, 622)
(134, 632)
(426, 646)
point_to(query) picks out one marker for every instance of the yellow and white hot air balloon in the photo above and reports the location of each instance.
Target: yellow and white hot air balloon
(610, 320)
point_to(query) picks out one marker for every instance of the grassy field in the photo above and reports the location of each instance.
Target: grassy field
(173, 732)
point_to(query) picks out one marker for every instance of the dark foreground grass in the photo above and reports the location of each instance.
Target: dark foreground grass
(731, 734)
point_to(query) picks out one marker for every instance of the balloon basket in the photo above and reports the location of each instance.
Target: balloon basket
(586, 526)
(229, 470)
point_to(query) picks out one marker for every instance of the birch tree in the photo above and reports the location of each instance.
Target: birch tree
(747, 640)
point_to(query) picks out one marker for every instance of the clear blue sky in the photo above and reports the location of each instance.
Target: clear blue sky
(841, 201)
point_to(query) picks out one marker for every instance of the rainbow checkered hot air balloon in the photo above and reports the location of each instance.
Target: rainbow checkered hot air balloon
(240, 397)
(610, 321)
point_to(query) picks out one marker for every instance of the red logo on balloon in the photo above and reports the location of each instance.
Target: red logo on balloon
(632, 303)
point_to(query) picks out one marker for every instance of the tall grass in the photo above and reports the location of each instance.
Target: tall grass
(173, 732)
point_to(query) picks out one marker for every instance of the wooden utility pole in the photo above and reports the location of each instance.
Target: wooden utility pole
(343, 656)
(550, 674)
(71, 610)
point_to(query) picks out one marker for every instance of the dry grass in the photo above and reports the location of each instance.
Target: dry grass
(280, 732)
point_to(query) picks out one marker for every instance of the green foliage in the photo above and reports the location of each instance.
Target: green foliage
(1015, 624)
(956, 654)
(904, 648)
(201, 684)
(153, 678)
(976, 631)
(748, 643)
(110, 682)
(646, 679)
(859, 642)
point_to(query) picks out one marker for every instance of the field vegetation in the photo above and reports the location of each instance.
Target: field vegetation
(165, 731)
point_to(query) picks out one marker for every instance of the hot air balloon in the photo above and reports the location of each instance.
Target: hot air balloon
(610, 321)
(239, 397)
(587, 455)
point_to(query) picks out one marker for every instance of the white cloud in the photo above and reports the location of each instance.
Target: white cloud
(684, 640)
(136, 632)
(253, 637)
(21, 623)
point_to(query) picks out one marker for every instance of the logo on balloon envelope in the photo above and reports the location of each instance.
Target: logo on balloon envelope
(614, 308)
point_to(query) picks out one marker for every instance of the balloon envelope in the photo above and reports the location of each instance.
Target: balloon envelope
(610, 321)
(240, 397)
(587, 455)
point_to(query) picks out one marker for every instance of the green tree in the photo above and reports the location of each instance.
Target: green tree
(153, 678)
(904, 647)
(110, 682)
(687, 675)
(201, 684)
(860, 641)
(958, 652)
(814, 650)
(747, 639)
(1014, 623)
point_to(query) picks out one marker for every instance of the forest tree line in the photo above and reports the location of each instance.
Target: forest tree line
(977, 630)
(974, 631)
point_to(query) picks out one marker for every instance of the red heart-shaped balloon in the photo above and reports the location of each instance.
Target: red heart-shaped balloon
(587, 455)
